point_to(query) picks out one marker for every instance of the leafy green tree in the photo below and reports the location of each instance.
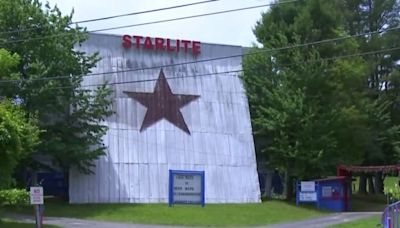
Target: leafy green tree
(70, 115)
(19, 135)
(370, 16)
(313, 107)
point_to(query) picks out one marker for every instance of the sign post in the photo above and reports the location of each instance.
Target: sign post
(36, 196)
(186, 187)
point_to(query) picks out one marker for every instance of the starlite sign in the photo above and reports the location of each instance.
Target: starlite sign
(161, 44)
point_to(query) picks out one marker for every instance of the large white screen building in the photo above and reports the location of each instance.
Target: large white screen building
(170, 115)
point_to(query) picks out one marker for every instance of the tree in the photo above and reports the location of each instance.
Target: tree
(18, 138)
(370, 16)
(51, 71)
(313, 106)
(19, 135)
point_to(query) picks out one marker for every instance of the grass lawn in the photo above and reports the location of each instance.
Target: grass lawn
(5, 223)
(361, 202)
(269, 212)
(373, 221)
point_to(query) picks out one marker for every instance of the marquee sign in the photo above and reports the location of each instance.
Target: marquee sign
(161, 44)
(186, 187)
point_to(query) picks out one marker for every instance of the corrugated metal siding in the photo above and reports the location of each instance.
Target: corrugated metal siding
(135, 169)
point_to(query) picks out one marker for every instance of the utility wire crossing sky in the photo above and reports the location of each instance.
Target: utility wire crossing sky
(233, 28)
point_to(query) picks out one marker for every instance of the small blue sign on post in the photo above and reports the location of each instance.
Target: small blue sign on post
(307, 192)
(186, 187)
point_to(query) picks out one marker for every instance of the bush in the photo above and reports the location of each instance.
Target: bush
(14, 197)
(393, 193)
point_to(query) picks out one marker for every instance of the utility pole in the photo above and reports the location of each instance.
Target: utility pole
(38, 219)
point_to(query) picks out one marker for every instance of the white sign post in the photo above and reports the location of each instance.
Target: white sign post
(307, 186)
(36, 195)
(307, 192)
(308, 196)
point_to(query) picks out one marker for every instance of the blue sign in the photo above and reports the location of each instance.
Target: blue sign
(186, 187)
(307, 192)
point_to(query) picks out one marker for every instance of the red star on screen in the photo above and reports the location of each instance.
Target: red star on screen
(163, 104)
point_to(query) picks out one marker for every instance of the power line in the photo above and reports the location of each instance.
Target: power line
(142, 12)
(343, 56)
(194, 16)
(117, 16)
(216, 58)
(149, 23)
(241, 70)
(233, 71)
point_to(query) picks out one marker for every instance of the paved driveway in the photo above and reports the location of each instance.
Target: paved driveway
(326, 221)
(81, 223)
(320, 222)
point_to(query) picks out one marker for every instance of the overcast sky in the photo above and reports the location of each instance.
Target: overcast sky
(230, 28)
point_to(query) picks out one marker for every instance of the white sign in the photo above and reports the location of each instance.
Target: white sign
(307, 186)
(327, 191)
(36, 195)
(307, 196)
(187, 188)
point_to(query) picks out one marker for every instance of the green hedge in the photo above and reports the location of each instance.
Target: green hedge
(14, 197)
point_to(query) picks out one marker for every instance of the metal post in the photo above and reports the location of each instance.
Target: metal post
(297, 193)
(37, 217)
(391, 218)
(37, 209)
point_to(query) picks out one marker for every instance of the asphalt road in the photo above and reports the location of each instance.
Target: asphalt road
(320, 222)
(326, 221)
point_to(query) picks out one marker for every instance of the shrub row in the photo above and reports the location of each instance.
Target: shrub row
(14, 197)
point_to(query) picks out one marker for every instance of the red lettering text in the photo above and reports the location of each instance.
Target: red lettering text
(177, 45)
(147, 43)
(159, 43)
(196, 47)
(186, 44)
(169, 48)
(138, 38)
(126, 41)
(162, 44)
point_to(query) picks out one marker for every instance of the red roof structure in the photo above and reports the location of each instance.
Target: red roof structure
(341, 169)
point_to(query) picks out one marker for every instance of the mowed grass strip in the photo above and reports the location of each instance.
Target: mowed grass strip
(5, 223)
(373, 221)
(270, 212)
(9, 223)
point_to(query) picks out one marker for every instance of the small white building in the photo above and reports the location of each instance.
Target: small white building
(175, 109)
